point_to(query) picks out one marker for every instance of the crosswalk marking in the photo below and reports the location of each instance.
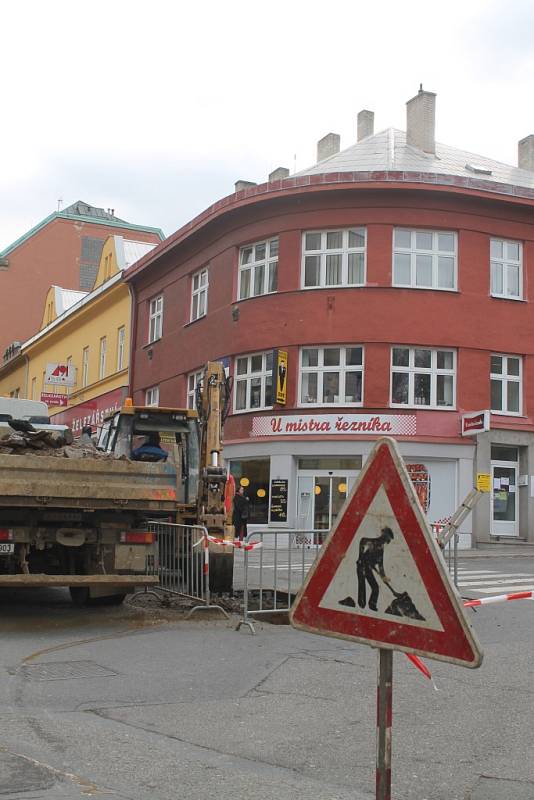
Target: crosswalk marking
(487, 581)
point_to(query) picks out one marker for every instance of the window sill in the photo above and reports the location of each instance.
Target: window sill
(336, 286)
(450, 290)
(255, 296)
(507, 297)
(192, 321)
(400, 406)
(251, 410)
(330, 405)
(513, 414)
(148, 345)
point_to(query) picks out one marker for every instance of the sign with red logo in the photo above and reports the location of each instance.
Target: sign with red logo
(60, 374)
(54, 399)
(475, 422)
(380, 578)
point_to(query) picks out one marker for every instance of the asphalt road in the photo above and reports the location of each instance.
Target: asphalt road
(138, 704)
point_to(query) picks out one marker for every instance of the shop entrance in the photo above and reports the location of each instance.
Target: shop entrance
(505, 508)
(322, 491)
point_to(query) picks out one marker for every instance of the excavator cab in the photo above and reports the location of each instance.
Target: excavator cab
(153, 434)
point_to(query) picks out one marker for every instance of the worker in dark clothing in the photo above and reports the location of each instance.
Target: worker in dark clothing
(240, 514)
(150, 450)
(371, 560)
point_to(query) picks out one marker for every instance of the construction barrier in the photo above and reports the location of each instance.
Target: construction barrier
(275, 563)
(181, 563)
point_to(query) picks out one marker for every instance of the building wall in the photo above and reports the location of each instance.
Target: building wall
(50, 256)
(376, 316)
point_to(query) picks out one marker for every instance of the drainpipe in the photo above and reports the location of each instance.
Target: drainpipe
(133, 335)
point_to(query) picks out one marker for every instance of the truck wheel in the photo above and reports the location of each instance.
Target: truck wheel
(80, 595)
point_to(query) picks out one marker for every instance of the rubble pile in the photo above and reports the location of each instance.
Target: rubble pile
(60, 444)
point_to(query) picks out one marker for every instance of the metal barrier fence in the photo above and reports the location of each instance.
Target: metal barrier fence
(274, 571)
(181, 562)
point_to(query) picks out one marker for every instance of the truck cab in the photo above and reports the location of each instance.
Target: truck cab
(33, 411)
(124, 432)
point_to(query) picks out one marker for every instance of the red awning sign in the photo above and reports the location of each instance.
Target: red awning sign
(380, 578)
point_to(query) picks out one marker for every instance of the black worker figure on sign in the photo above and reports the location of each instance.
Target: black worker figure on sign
(369, 566)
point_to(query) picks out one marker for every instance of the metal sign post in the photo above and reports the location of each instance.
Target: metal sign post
(384, 717)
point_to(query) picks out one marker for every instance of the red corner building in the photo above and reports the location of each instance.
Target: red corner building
(396, 276)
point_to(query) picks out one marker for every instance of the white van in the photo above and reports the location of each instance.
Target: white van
(33, 411)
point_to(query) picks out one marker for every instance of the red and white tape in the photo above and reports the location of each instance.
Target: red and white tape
(481, 601)
(239, 545)
(499, 598)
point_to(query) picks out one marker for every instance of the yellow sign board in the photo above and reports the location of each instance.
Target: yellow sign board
(280, 368)
(483, 482)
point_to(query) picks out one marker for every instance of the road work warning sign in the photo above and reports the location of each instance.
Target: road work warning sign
(380, 578)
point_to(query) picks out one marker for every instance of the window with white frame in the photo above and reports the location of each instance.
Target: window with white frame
(85, 366)
(155, 324)
(70, 370)
(331, 376)
(333, 258)
(193, 381)
(253, 382)
(258, 269)
(102, 359)
(199, 294)
(421, 376)
(505, 381)
(121, 339)
(152, 396)
(34, 389)
(424, 259)
(506, 269)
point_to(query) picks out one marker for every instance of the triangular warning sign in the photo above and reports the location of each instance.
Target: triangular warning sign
(380, 578)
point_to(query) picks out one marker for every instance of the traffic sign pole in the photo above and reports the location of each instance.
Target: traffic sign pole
(384, 717)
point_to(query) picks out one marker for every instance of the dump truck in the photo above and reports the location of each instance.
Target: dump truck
(77, 517)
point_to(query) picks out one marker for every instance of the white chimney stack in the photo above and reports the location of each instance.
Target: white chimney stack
(328, 146)
(366, 124)
(421, 121)
(525, 153)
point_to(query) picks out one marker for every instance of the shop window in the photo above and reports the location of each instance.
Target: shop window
(253, 382)
(505, 380)
(331, 376)
(333, 258)
(506, 269)
(258, 269)
(423, 377)
(424, 259)
(199, 294)
(253, 475)
(155, 322)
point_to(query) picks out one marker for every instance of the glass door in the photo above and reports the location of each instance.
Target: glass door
(504, 518)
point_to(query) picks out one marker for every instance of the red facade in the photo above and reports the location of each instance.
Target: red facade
(376, 316)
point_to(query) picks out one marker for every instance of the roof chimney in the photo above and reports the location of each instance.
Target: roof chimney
(525, 153)
(240, 185)
(328, 146)
(366, 124)
(278, 174)
(421, 121)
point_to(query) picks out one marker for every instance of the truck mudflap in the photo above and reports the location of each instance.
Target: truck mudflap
(108, 581)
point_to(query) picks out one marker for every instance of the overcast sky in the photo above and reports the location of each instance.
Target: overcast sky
(156, 108)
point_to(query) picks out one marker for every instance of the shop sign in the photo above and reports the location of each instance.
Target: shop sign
(335, 424)
(92, 412)
(60, 374)
(280, 375)
(475, 422)
(54, 399)
(278, 506)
